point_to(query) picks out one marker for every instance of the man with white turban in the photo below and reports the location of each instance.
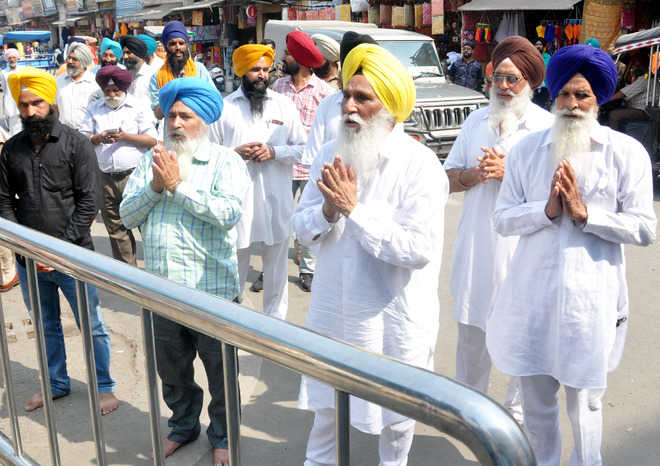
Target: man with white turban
(186, 197)
(77, 88)
(9, 110)
(376, 213)
(264, 128)
(329, 48)
(574, 193)
(476, 165)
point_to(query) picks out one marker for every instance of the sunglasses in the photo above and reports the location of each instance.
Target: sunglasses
(509, 78)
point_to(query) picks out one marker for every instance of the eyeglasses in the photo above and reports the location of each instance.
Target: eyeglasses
(512, 79)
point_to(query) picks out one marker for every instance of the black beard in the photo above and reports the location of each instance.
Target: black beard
(467, 55)
(256, 94)
(177, 64)
(291, 68)
(323, 71)
(108, 63)
(37, 128)
(131, 64)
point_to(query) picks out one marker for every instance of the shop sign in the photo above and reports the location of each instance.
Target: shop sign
(197, 17)
(49, 6)
(37, 8)
(27, 9)
(251, 11)
(72, 5)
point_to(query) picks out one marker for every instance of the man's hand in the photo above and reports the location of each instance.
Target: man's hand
(166, 164)
(157, 184)
(338, 184)
(245, 150)
(553, 207)
(263, 152)
(115, 137)
(570, 194)
(492, 164)
(43, 268)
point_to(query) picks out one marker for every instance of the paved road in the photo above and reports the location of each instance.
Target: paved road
(274, 432)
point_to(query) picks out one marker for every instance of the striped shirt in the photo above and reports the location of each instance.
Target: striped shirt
(189, 236)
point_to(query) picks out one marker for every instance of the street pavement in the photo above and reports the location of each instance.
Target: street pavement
(274, 431)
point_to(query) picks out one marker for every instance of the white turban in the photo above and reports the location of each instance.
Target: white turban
(328, 47)
(11, 53)
(82, 53)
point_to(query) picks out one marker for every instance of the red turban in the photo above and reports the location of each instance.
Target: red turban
(112, 74)
(303, 50)
(524, 55)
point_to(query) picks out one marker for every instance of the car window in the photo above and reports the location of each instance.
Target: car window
(414, 54)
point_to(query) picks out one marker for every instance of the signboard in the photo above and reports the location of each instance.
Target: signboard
(251, 11)
(197, 17)
(27, 9)
(37, 8)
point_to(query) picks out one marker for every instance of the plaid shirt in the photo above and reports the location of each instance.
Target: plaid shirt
(189, 236)
(307, 100)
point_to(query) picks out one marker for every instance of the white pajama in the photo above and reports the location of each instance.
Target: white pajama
(394, 441)
(7, 265)
(276, 277)
(541, 408)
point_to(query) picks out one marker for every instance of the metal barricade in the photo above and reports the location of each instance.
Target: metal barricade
(481, 424)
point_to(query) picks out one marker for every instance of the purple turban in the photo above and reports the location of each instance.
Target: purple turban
(174, 30)
(595, 65)
(112, 74)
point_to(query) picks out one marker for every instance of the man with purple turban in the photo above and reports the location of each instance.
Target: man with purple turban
(574, 193)
(121, 130)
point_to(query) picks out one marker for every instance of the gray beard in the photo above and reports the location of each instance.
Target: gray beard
(503, 115)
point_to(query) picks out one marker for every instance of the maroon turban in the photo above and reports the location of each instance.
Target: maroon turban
(524, 55)
(303, 50)
(112, 74)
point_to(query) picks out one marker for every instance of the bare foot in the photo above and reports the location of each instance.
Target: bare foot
(108, 402)
(170, 446)
(37, 401)
(220, 457)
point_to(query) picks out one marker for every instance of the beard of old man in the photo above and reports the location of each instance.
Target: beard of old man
(255, 91)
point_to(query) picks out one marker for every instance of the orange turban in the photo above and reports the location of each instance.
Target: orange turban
(246, 56)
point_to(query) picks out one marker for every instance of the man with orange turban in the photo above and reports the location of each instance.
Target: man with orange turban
(60, 201)
(264, 128)
(375, 211)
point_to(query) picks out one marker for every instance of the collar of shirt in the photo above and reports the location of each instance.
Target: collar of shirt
(313, 82)
(86, 77)
(598, 135)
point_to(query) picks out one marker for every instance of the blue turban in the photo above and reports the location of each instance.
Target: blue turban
(199, 95)
(151, 43)
(595, 65)
(174, 30)
(108, 43)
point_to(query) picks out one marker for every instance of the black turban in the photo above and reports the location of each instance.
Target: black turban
(350, 40)
(112, 74)
(134, 45)
(524, 55)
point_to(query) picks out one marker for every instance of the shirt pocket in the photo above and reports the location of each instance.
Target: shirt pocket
(56, 176)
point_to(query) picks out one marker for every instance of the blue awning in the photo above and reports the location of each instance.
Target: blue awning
(28, 36)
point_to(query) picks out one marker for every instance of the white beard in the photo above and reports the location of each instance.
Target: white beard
(361, 148)
(185, 149)
(504, 115)
(571, 137)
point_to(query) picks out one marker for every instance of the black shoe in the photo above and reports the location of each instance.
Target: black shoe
(258, 285)
(306, 281)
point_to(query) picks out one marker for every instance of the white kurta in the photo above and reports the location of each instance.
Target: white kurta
(325, 126)
(481, 255)
(73, 97)
(557, 309)
(376, 279)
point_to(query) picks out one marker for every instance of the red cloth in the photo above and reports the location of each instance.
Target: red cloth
(302, 49)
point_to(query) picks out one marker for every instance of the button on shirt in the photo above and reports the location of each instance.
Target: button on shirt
(189, 236)
(466, 74)
(73, 97)
(132, 118)
(307, 100)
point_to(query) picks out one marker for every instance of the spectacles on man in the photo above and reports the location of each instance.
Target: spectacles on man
(511, 79)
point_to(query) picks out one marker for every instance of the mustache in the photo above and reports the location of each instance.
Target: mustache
(354, 118)
(572, 113)
(508, 92)
(176, 132)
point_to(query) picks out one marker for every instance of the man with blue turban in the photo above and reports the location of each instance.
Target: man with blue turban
(111, 54)
(189, 188)
(152, 59)
(574, 194)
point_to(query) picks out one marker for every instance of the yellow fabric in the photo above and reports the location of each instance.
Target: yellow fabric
(34, 80)
(388, 77)
(246, 56)
(165, 75)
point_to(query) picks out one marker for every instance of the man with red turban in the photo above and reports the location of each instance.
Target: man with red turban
(121, 130)
(476, 165)
(306, 90)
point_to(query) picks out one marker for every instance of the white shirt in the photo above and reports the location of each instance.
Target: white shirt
(481, 256)
(157, 63)
(557, 309)
(325, 126)
(269, 206)
(10, 109)
(73, 97)
(376, 278)
(133, 118)
(140, 85)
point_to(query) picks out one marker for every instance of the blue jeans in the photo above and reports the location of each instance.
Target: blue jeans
(49, 283)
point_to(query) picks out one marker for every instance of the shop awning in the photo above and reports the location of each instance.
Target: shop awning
(494, 5)
(156, 12)
(198, 5)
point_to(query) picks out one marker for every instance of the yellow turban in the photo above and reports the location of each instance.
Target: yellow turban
(34, 80)
(388, 77)
(246, 56)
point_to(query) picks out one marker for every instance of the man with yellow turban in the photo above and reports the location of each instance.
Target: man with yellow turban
(60, 201)
(264, 128)
(376, 214)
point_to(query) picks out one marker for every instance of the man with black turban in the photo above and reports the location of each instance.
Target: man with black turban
(135, 56)
(121, 130)
(476, 165)
(574, 194)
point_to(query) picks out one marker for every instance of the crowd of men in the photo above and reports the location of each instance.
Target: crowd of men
(538, 274)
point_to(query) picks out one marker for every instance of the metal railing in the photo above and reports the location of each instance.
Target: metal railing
(477, 421)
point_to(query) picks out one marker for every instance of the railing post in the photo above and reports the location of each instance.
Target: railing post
(152, 386)
(9, 386)
(342, 427)
(232, 402)
(49, 415)
(90, 362)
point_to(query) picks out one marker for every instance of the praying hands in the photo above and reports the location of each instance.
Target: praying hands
(338, 184)
(565, 196)
(165, 169)
(491, 165)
